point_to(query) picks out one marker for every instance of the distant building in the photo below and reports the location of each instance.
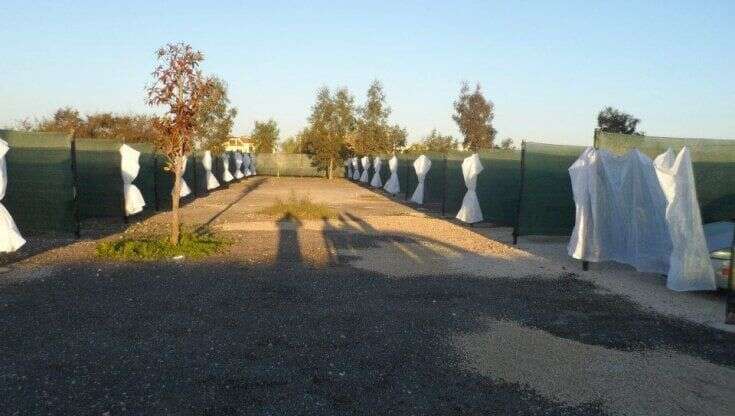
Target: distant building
(242, 143)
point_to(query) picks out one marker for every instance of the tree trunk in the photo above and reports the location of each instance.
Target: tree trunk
(331, 168)
(175, 196)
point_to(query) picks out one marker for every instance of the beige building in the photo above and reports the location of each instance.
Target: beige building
(242, 143)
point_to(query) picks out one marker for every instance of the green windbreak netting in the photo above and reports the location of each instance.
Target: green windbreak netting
(99, 179)
(293, 164)
(434, 181)
(406, 174)
(547, 204)
(165, 180)
(713, 162)
(146, 181)
(40, 192)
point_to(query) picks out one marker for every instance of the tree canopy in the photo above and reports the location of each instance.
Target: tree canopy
(215, 117)
(435, 142)
(374, 134)
(615, 121)
(265, 136)
(474, 116)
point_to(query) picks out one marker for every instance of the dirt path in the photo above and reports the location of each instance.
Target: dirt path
(381, 310)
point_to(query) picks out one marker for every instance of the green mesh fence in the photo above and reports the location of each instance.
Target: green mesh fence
(99, 179)
(165, 181)
(546, 203)
(40, 194)
(146, 180)
(713, 162)
(293, 164)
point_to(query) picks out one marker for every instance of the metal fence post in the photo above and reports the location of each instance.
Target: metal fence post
(75, 187)
(155, 182)
(444, 186)
(517, 225)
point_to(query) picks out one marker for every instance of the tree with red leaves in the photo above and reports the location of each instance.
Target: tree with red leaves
(180, 86)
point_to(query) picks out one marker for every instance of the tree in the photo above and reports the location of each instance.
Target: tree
(372, 126)
(103, 125)
(292, 144)
(439, 143)
(180, 87)
(331, 122)
(215, 117)
(474, 116)
(614, 121)
(507, 144)
(64, 120)
(265, 136)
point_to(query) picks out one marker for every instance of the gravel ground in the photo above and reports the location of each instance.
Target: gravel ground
(381, 310)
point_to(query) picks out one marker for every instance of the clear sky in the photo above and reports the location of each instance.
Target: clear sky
(549, 67)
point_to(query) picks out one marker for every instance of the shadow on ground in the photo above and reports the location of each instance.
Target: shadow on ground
(286, 338)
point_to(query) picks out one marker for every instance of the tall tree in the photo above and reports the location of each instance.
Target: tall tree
(265, 136)
(331, 122)
(215, 117)
(180, 87)
(372, 126)
(615, 121)
(474, 116)
(507, 144)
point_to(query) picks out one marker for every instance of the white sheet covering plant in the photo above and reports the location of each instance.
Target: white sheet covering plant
(129, 169)
(623, 215)
(377, 182)
(10, 238)
(470, 211)
(226, 174)
(421, 165)
(355, 169)
(246, 165)
(690, 267)
(392, 185)
(348, 165)
(185, 190)
(212, 181)
(365, 175)
(238, 165)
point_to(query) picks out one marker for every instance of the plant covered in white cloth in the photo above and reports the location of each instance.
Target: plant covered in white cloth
(348, 165)
(226, 174)
(689, 267)
(628, 210)
(365, 176)
(10, 238)
(355, 169)
(185, 190)
(238, 165)
(421, 165)
(246, 165)
(392, 185)
(376, 182)
(212, 181)
(129, 169)
(470, 212)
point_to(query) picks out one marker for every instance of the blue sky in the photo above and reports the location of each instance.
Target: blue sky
(549, 67)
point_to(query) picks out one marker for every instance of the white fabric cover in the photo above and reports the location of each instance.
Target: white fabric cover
(10, 238)
(623, 214)
(348, 165)
(238, 166)
(365, 176)
(226, 174)
(253, 164)
(689, 267)
(185, 190)
(421, 165)
(246, 165)
(355, 169)
(392, 185)
(129, 169)
(212, 181)
(376, 182)
(470, 211)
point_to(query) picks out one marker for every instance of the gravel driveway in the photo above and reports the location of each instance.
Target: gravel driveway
(368, 313)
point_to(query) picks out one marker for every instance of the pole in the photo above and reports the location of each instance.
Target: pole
(155, 182)
(444, 186)
(75, 187)
(517, 225)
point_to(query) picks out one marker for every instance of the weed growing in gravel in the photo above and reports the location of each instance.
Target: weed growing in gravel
(191, 245)
(301, 208)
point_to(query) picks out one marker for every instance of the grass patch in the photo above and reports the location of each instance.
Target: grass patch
(191, 245)
(301, 208)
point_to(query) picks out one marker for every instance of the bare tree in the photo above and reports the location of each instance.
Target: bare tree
(180, 86)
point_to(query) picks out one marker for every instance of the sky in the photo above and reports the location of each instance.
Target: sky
(548, 66)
